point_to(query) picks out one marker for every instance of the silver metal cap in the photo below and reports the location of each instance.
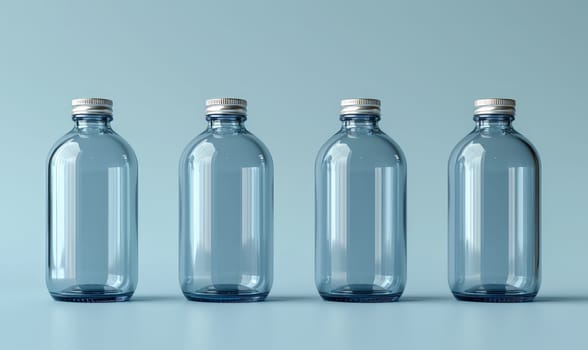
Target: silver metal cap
(91, 106)
(226, 105)
(360, 106)
(494, 106)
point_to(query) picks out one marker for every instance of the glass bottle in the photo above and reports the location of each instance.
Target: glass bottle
(226, 210)
(360, 174)
(494, 210)
(92, 210)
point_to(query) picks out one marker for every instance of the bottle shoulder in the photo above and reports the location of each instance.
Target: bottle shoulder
(104, 145)
(236, 146)
(376, 146)
(509, 146)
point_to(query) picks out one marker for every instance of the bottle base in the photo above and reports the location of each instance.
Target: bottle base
(90, 293)
(226, 293)
(361, 293)
(495, 293)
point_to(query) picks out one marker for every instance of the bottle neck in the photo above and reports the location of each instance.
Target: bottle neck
(226, 122)
(493, 121)
(91, 122)
(360, 121)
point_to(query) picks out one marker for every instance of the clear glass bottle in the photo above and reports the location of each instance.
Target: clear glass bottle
(494, 210)
(92, 210)
(226, 210)
(360, 222)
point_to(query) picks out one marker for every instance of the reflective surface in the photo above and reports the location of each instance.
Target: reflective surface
(179, 325)
(494, 214)
(360, 214)
(92, 215)
(226, 214)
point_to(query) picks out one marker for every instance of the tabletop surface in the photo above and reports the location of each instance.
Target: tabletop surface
(294, 321)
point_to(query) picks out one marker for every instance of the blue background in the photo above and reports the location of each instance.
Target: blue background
(293, 61)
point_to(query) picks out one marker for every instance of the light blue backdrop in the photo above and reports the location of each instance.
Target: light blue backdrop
(293, 61)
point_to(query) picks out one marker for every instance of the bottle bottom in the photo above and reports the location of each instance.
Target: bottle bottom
(495, 293)
(226, 293)
(361, 293)
(91, 293)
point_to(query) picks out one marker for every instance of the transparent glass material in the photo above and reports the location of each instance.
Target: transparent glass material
(494, 214)
(360, 188)
(92, 214)
(226, 214)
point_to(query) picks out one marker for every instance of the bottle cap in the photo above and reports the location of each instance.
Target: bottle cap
(360, 106)
(226, 105)
(494, 106)
(91, 106)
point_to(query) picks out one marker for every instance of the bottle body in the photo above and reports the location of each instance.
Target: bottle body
(360, 233)
(494, 214)
(226, 214)
(92, 214)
